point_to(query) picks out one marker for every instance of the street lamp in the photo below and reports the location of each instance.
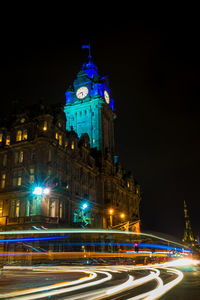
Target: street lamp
(46, 191)
(122, 215)
(111, 211)
(38, 191)
(84, 206)
(111, 216)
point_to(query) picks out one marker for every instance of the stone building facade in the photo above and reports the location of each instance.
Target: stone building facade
(69, 153)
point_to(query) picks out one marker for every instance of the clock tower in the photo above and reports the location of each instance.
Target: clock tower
(89, 108)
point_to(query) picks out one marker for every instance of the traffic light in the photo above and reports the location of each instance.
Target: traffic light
(136, 247)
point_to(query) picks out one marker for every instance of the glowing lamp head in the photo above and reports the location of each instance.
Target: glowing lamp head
(46, 191)
(84, 206)
(122, 215)
(111, 211)
(38, 191)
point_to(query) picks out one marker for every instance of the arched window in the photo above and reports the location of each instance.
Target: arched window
(60, 140)
(3, 180)
(19, 136)
(8, 140)
(25, 134)
(45, 126)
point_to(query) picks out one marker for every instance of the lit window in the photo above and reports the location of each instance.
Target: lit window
(17, 209)
(19, 136)
(8, 140)
(128, 184)
(1, 137)
(52, 209)
(45, 126)
(1, 208)
(60, 210)
(29, 208)
(3, 180)
(21, 156)
(60, 140)
(32, 177)
(19, 180)
(72, 145)
(56, 136)
(25, 134)
(14, 208)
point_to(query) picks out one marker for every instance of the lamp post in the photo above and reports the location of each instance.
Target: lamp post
(83, 214)
(111, 213)
(111, 217)
(39, 192)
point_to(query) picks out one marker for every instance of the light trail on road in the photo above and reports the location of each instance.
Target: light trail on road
(86, 231)
(98, 276)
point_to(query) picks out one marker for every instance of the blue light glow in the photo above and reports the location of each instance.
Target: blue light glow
(84, 206)
(33, 239)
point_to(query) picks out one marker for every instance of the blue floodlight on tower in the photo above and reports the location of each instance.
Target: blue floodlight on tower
(88, 111)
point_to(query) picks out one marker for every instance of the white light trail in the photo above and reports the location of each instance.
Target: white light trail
(66, 290)
(130, 283)
(49, 287)
(86, 231)
(161, 289)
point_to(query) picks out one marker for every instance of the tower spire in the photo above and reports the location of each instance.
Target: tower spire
(88, 66)
(188, 235)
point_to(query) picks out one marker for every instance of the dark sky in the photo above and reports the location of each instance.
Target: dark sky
(154, 71)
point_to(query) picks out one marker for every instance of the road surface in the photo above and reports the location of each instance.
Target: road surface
(100, 282)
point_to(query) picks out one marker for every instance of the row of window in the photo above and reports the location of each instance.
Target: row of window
(17, 178)
(19, 156)
(55, 208)
(23, 135)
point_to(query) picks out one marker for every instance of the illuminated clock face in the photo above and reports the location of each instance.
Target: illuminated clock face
(82, 92)
(106, 97)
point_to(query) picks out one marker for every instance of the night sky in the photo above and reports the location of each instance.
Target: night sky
(153, 67)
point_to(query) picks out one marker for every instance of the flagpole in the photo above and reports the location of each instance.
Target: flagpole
(89, 49)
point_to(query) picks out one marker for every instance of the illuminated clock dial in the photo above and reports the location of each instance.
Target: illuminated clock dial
(82, 92)
(106, 97)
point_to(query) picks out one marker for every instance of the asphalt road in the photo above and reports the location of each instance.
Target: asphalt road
(100, 282)
(189, 288)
